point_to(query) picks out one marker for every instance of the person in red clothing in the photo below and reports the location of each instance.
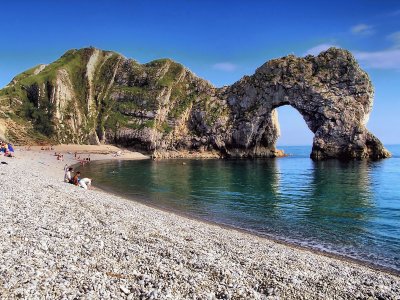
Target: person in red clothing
(76, 178)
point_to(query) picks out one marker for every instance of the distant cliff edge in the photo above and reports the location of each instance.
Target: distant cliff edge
(92, 96)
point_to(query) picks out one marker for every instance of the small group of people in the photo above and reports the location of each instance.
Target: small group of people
(47, 148)
(76, 179)
(83, 160)
(6, 149)
(59, 156)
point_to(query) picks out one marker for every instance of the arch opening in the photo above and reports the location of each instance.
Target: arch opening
(293, 129)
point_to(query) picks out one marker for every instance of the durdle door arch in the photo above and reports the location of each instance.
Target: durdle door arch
(163, 108)
(330, 91)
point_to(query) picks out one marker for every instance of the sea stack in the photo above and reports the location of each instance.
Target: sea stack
(92, 96)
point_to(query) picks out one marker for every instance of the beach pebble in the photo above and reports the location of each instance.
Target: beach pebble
(125, 290)
(61, 242)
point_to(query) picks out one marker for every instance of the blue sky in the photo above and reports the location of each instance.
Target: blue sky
(218, 40)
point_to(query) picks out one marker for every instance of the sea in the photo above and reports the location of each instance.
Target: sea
(350, 209)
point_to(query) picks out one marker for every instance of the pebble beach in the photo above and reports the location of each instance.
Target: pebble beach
(58, 241)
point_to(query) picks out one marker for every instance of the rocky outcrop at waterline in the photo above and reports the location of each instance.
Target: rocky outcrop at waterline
(94, 96)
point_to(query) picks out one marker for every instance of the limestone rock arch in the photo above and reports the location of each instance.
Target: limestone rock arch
(330, 91)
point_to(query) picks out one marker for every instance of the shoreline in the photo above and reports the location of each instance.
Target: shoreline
(268, 237)
(78, 243)
(271, 238)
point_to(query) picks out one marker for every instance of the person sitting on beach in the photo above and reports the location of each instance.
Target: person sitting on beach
(9, 153)
(76, 178)
(10, 150)
(68, 175)
(10, 147)
(4, 147)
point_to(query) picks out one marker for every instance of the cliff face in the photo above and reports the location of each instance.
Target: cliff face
(94, 96)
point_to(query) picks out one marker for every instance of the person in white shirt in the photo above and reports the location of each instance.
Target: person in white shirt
(86, 183)
(68, 175)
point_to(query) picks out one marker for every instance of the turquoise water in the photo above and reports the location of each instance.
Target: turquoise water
(348, 208)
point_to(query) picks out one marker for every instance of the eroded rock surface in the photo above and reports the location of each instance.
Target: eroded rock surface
(330, 91)
(94, 96)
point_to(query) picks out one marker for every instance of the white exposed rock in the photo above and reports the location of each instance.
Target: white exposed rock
(90, 70)
(39, 69)
(125, 290)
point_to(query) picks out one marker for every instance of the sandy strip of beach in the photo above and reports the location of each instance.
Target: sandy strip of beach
(58, 241)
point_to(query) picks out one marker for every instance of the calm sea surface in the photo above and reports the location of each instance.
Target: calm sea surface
(350, 208)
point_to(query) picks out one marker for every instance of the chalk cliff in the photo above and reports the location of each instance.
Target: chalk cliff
(95, 96)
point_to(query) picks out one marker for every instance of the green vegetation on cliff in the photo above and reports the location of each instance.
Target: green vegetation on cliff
(88, 94)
